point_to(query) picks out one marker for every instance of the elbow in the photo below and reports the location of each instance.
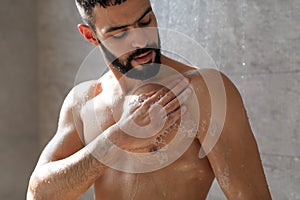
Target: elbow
(38, 189)
(33, 189)
(43, 187)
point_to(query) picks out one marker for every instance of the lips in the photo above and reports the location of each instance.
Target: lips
(144, 58)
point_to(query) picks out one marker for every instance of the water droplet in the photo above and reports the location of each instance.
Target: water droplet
(244, 64)
(242, 77)
(296, 159)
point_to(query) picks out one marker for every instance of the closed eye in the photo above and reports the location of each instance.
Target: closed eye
(145, 23)
(146, 20)
(120, 35)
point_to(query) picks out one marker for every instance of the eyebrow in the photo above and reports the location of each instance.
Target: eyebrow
(110, 29)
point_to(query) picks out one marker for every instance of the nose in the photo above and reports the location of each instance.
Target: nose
(139, 38)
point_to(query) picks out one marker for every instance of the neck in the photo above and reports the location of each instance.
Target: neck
(127, 84)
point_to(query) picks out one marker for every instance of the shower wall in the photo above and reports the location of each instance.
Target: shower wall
(18, 97)
(61, 51)
(256, 43)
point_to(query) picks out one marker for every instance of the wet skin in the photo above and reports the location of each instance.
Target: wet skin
(67, 166)
(190, 176)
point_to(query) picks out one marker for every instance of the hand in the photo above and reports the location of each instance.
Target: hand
(149, 115)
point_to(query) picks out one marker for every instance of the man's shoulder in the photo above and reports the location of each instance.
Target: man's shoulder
(85, 90)
(203, 76)
(209, 77)
(195, 72)
(216, 87)
(81, 93)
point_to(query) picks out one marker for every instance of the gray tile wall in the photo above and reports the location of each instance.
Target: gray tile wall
(256, 43)
(61, 51)
(18, 97)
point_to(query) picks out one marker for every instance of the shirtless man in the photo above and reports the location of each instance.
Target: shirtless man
(93, 131)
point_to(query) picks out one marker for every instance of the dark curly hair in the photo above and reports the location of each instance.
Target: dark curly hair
(86, 7)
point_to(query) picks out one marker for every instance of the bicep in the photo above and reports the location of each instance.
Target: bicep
(68, 137)
(234, 157)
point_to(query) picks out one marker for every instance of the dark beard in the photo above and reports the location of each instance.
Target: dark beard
(148, 70)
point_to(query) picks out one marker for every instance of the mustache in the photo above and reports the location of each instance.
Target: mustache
(139, 52)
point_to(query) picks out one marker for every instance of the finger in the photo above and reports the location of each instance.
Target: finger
(133, 104)
(177, 102)
(160, 93)
(144, 110)
(164, 95)
(146, 100)
(138, 100)
(175, 91)
(174, 116)
(140, 113)
(148, 95)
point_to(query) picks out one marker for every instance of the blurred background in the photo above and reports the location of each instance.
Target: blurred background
(255, 43)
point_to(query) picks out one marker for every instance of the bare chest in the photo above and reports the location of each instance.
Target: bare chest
(97, 115)
(187, 178)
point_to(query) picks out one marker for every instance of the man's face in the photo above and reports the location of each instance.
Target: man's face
(128, 36)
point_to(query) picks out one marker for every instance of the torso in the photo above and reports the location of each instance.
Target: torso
(189, 177)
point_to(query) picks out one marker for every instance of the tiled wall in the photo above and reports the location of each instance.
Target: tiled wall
(256, 43)
(18, 97)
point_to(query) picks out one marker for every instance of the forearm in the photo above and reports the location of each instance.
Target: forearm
(69, 178)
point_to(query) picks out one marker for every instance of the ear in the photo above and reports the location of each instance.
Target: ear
(87, 32)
